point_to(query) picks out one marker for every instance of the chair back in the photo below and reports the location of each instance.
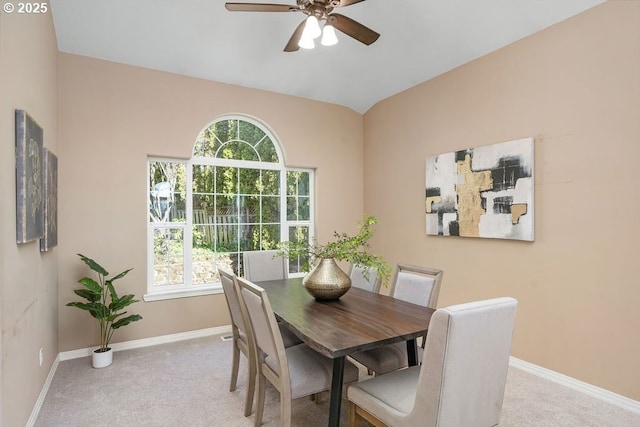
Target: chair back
(231, 295)
(418, 285)
(264, 265)
(464, 368)
(265, 331)
(360, 280)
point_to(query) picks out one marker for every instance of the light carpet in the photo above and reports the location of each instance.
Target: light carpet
(187, 384)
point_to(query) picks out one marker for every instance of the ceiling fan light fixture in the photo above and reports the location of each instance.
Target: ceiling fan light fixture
(311, 28)
(329, 37)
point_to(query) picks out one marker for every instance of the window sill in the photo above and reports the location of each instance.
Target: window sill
(182, 293)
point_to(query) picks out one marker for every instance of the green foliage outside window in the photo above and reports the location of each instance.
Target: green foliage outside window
(234, 208)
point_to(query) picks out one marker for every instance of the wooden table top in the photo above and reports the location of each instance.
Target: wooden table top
(359, 320)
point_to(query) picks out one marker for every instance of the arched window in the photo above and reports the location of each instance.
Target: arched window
(234, 195)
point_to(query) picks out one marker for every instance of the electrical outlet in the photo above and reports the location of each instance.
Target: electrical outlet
(41, 355)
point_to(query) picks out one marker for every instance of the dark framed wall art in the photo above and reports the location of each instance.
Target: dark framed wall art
(29, 179)
(50, 239)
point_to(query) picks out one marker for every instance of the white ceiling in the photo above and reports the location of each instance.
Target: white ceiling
(419, 40)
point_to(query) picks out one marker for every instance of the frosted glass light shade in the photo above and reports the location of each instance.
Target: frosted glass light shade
(311, 28)
(329, 37)
(306, 42)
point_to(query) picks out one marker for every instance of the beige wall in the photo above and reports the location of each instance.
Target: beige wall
(113, 116)
(575, 88)
(28, 278)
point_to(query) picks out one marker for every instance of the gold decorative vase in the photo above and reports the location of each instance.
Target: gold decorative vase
(327, 281)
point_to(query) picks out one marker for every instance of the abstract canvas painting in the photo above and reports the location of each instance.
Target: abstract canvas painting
(29, 176)
(50, 238)
(482, 192)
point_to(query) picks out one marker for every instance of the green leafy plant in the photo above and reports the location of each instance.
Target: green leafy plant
(353, 249)
(103, 302)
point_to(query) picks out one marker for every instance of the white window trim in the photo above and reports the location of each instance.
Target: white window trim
(183, 293)
(164, 292)
(293, 223)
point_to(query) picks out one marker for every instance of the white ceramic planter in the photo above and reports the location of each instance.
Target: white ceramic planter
(101, 359)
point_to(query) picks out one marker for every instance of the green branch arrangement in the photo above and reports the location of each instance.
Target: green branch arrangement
(103, 302)
(347, 248)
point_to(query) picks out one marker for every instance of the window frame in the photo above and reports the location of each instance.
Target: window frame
(187, 288)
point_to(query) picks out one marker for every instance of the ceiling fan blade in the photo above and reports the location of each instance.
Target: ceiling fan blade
(343, 3)
(260, 7)
(353, 29)
(292, 46)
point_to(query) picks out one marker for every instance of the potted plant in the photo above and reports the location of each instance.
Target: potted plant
(326, 281)
(105, 305)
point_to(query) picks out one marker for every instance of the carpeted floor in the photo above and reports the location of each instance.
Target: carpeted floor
(187, 384)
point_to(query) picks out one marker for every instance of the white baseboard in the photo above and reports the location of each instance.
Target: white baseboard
(43, 393)
(147, 342)
(588, 389)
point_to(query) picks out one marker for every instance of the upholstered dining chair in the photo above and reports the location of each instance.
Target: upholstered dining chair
(418, 285)
(264, 265)
(295, 371)
(360, 280)
(462, 378)
(267, 265)
(241, 342)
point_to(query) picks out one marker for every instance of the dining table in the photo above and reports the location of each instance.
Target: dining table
(359, 320)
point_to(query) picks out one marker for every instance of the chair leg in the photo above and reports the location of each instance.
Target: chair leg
(354, 419)
(234, 366)
(285, 410)
(262, 384)
(251, 387)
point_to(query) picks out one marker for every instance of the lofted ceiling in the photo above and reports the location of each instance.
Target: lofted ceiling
(419, 40)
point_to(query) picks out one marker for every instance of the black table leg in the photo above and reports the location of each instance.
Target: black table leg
(412, 352)
(336, 391)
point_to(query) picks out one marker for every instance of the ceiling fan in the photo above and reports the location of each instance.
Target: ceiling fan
(316, 11)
